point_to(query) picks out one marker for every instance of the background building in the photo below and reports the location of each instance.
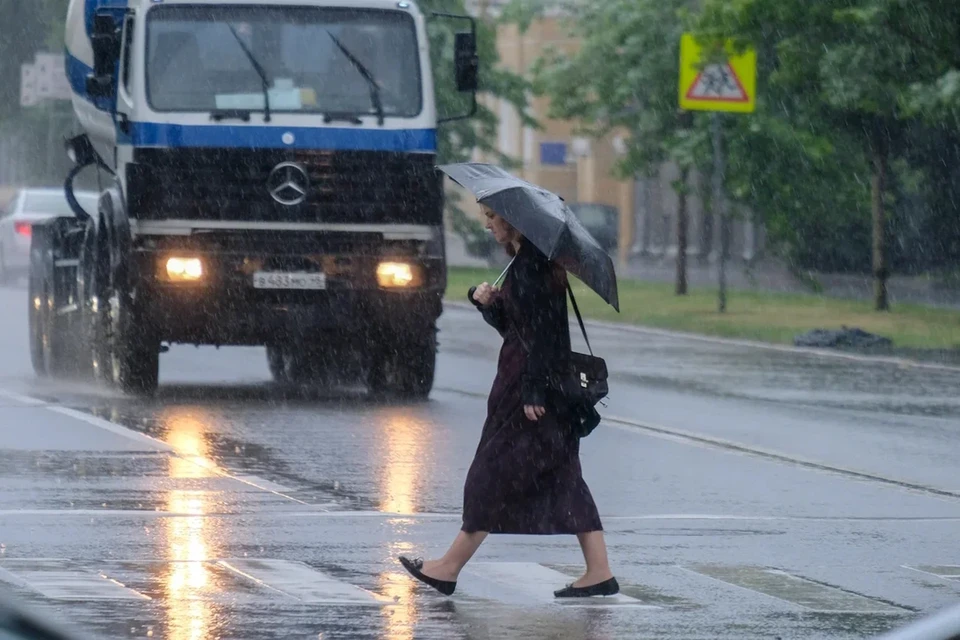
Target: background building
(581, 169)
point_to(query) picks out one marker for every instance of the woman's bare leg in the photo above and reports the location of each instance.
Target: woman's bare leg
(595, 554)
(448, 567)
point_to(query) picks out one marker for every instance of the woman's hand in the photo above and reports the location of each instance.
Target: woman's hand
(484, 293)
(533, 413)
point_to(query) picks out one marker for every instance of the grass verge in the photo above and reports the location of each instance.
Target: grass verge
(767, 317)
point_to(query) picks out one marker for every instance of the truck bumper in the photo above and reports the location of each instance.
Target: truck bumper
(223, 306)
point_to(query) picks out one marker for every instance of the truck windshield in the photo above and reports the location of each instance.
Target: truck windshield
(194, 62)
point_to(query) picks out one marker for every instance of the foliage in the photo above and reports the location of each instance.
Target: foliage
(760, 315)
(860, 75)
(624, 77)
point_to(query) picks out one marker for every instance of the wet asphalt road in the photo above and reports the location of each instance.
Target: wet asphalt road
(747, 493)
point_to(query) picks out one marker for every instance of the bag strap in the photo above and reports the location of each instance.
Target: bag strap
(573, 301)
(576, 310)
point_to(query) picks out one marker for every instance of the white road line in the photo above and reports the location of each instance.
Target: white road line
(711, 442)
(250, 480)
(681, 335)
(950, 572)
(26, 400)
(450, 517)
(689, 437)
(301, 581)
(100, 423)
(49, 580)
(520, 583)
(795, 590)
(115, 429)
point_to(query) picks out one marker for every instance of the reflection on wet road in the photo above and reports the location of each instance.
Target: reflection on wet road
(252, 511)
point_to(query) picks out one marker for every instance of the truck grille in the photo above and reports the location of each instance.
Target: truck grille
(234, 184)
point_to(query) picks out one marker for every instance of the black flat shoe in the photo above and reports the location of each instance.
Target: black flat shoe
(606, 588)
(414, 566)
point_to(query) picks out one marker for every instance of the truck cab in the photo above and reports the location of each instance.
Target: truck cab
(269, 172)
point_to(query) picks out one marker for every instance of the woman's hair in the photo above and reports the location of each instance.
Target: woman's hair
(516, 235)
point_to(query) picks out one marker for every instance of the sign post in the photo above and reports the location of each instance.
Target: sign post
(718, 87)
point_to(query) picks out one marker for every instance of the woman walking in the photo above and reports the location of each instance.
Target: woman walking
(526, 476)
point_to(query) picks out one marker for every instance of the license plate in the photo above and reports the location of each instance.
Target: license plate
(284, 280)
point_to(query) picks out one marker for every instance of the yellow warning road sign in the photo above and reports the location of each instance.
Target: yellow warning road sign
(730, 86)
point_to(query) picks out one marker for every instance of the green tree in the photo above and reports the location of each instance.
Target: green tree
(838, 65)
(458, 139)
(624, 76)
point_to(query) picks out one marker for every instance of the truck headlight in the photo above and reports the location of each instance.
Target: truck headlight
(396, 275)
(184, 269)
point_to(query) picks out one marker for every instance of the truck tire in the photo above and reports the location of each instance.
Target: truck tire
(35, 302)
(134, 348)
(297, 364)
(406, 369)
(276, 364)
(54, 341)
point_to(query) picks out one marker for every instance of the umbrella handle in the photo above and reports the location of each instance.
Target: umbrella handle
(503, 274)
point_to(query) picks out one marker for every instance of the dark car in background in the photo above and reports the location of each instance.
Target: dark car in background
(601, 220)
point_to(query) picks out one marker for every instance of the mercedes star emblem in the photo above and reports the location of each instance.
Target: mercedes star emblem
(288, 183)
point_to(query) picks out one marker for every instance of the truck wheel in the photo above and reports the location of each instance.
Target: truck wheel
(4, 273)
(134, 348)
(295, 364)
(53, 336)
(406, 369)
(92, 321)
(35, 301)
(277, 364)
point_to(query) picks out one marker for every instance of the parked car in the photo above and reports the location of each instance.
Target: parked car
(28, 207)
(601, 220)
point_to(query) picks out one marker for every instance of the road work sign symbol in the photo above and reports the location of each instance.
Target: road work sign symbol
(727, 86)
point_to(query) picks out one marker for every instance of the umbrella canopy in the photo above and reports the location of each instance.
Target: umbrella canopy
(543, 219)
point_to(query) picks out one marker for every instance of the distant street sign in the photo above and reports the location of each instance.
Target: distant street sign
(728, 86)
(28, 86)
(44, 79)
(52, 76)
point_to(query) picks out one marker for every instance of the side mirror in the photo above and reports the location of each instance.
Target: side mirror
(80, 150)
(105, 40)
(466, 61)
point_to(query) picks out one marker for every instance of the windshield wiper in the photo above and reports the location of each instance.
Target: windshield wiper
(260, 71)
(374, 86)
(227, 114)
(332, 116)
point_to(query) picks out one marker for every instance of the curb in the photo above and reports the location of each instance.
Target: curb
(682, 335)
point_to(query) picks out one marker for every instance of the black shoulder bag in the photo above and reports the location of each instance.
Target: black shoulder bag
(584, 383)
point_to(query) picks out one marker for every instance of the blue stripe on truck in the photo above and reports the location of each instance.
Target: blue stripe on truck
(148, 134)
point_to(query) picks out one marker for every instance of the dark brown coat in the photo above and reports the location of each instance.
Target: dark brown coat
(526, 476)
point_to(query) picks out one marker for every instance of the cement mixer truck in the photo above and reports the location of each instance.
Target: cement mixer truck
(267, 177)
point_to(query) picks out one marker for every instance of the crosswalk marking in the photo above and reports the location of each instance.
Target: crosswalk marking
(946, 571)
(796, 590)
(301, 581)
(49, 579)
(528, 583)
(511, 583)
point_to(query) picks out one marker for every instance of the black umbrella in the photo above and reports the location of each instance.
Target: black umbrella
(543, 219)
